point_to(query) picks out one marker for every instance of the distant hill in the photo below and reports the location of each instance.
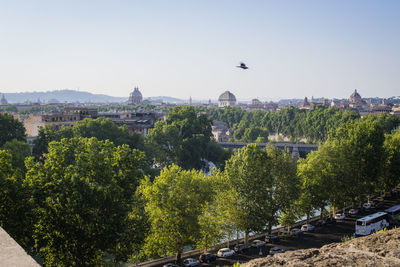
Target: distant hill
(165, 99)
(61, 96)
(72, 96)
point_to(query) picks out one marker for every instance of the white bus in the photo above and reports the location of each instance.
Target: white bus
(372, 223)
(394, 214)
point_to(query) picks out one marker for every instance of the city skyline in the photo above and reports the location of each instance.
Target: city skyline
(188, 49)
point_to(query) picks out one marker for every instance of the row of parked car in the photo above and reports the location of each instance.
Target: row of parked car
(244, 248)
(273, 239)
(354, 211)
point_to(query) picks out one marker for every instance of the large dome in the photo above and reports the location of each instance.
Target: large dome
(227, 96)
(226, 99)
(3, 100)
(355, 97)
(135, 97)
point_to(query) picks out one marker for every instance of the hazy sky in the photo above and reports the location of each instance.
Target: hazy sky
(188, 48)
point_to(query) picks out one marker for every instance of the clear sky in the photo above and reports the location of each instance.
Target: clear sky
(189, 48)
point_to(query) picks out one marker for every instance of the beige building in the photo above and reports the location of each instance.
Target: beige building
(221, 132)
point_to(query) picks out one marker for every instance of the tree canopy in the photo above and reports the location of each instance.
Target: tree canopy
(13, 201)
(101, 128)
(174, 202)
(83, 194)
(182, 139)
(10, 129)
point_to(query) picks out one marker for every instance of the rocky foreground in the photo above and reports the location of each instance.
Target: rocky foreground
(381, 249)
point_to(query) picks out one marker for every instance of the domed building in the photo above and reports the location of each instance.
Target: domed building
(355, 97)
(226, 99)
(3, 100)
(356, 101)
(135, 97)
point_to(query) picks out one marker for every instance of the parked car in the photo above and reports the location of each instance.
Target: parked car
(240, 248)
(207, 257)
(276, 250)
(225, 252)
(353, 211)
(170, 265)
(307, 228)
(272, 239)
(339, 216)
(321, 222)
(257, 243)
(296, 232)
(367, 206)
(330, 220)
(283, 233)
(191, 262)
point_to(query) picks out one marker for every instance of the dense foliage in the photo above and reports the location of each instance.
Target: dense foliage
(83, 196)
(185, 139)
(314, 125)
(14, 206)
(174, 202)
(101, 128)
(10, 129)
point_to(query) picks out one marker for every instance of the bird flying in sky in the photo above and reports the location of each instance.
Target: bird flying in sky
(242, 66)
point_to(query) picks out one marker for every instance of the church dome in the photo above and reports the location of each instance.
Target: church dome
(227, 96)
(226, 99)
(355, 97)
(135, 97)
(3, 100)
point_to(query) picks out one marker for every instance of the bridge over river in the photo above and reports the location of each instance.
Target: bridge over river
(295, 148)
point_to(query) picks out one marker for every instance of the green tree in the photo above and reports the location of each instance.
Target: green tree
(10, 129)
(215, 223)
(47, 134)
(19, 151)
(217, 154)
(163, 144)
(182, 139)
(288, 219)
(175, 201)
(317, 181)
(101, 128)
(345, 169)
(286, 184)
(13, 201)
(254, 133)
(388, 122)
(83, 194)
(390, 177)
(105, 129)
(359, 145)
(250, 187)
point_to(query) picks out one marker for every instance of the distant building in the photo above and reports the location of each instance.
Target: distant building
(3, 101)
(382, 108)
(305, 104)
(255, 104)
(68, 117)
(221, 132)
(356, 102)
(138, 121)
(135, 97)
(226, 99)
(396, 110)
